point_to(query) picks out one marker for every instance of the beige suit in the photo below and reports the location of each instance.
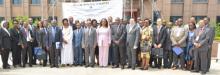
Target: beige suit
(178, 36)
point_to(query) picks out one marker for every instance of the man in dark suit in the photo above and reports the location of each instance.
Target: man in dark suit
(78, 35)
(34, 43)
(26, 44)
(5, 43)
(118, 39)
(168, 53)
(133, 35)
(54, 43)
(16, 46)
(159, 36)
(201, 44)
(212, 36)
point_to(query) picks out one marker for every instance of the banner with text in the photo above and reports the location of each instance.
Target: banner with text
(93, 10)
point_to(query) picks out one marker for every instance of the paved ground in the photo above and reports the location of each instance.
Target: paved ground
(37, 70)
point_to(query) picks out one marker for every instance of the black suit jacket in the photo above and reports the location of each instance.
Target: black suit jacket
(168, 42)
(159, 38)
(5, 39)
(15, 36)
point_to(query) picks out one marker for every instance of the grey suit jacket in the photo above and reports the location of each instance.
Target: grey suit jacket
(133, 36)
(89, 40)
(203, 38)
(211, 34)
(57, 38)
(181, 39)
(42, 37)
(118, 33)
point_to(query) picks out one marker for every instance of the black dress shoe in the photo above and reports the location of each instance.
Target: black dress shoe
(87, 66)
(6, 67)
(194, 71)
(30, 65)
(129, 67)
(203, 73)
(92, 66)
(52, 66)
(122, 67)
(133, 68)
(15, 66)
(116, 66)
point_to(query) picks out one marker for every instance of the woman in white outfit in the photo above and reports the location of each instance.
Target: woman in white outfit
(67, 49)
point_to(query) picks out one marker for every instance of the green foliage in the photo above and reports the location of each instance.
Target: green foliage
(217, 32)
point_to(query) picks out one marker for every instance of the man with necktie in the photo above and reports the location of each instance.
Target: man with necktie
(54, 43)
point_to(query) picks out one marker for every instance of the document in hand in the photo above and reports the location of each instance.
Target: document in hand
(177, 50)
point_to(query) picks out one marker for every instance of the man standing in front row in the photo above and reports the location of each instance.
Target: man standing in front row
(89, 44)
(118, 39)
(200, 42)
(54, 43)
(133, 34)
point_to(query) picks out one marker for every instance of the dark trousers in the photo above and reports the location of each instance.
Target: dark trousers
(119, 54)
(16, 54)
(27, 53)
(200, 60)
(97, 54)
(54, 55)
(168, 58)
(131, 52)
(47, 54)
(175, 60)
(78, 55)
(90, 53)
(5, 55)
(209, 57)
(110, 55)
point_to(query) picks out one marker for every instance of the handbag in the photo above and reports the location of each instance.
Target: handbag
(158, 52)
(39, 53)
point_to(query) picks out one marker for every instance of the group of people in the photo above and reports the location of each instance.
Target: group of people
(120, 43)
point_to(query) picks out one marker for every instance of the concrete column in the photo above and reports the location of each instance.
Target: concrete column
(26, 8)
(212, 8)
(187, 10)
(8, 4)
(46, 8)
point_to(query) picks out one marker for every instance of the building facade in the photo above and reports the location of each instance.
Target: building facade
(169, 9)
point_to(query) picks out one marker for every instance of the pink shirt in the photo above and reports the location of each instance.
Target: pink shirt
(103, 36)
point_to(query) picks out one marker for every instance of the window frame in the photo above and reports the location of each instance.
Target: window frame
(195, 2)
(31, 3)
(176, 2)
(16, 4)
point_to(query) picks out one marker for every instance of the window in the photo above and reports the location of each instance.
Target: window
(1, 19)
(1, 2)
(51, 1)
(16, 2)
(176, 1)
(199, 18)
(35, 1)
(200, 1)
(174, 18)
(218, 19)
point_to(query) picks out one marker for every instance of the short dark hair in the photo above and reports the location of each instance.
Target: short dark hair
(65, 19)
(207, 18)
